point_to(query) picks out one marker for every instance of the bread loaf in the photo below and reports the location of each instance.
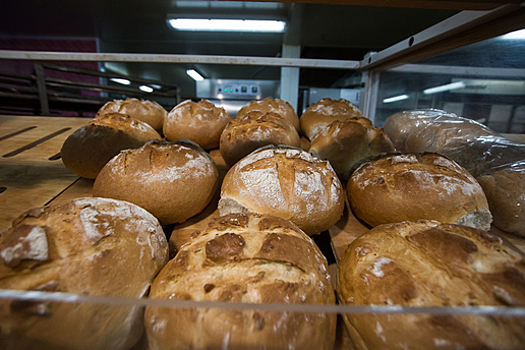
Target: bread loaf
(322, 113)
(255, 129)
(426, 263)
(201, 122)
(349, 143)
(88, 149)
(286, 182)
(407, 187)
(172, 180)
(149, 112)
(505, 191)
(472, 145)
(250, 259)
(89, 246)
(276, 105)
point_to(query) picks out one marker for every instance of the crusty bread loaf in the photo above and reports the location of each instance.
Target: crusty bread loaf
(286, 182)
(149, 112)
(505, 191)
(255, 129)
(88, 149)
(251, 259)
(406, 187)
(201, 122)
(469, 143)
(88, 246)
(322, 113)
(426, 263)
(276, 105)
(349, 143)
(172, 180)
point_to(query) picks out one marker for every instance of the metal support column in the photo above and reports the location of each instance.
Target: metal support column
(42, 89)
(290, 76)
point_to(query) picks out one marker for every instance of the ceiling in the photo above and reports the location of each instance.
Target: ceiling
(137, 26)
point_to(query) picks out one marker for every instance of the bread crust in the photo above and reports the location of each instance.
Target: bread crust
(89, 148)
(149, 112)
(172, 180)
(86, 246)
(407, 187)
(286, 182)
(255, 129)
(427, 263)
(276, 105)
(201, 122)
(251, 259)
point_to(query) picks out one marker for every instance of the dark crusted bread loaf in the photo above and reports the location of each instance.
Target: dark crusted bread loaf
(276, 105)
(251, 259)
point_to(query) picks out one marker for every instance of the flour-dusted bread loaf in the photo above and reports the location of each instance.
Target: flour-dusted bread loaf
(322, 113)
(349, 143)
(149, 112)
(505, 190)
(469, 143)
(286, 182)
(250, 259)
(406, 187)
(88, 149)
(172, 180)
(201, 122)
(426, 263)
(255, 129)
(276, 105)
(88, 246)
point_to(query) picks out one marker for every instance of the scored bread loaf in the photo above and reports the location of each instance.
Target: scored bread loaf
(248, 258)
(349, 143)
(320, 114)
(201, 122)
(88, 246)
(88, 149)
(172, 180)
(276, 105)
(149, 112)
(426, 263)
(406, 187)
(286, 182)
(245, 133)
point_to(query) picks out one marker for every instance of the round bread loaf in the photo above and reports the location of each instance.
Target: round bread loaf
(469, 143)
(172, 180)
(322, 113)
(88, 149)
(149, 112)
(505, 191)
(286, 182)
(426, 263)
(270, 104)
(406, 187)
(349, 143)
(251, 259)
(88, 246)
(201, 122)
(255, 129)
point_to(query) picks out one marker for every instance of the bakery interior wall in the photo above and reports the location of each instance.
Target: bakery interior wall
(137, 26)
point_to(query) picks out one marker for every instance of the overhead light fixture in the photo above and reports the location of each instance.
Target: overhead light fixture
(518, 34)
(155, 86)
(395, 99)
(120, 81)
(146, 88)
(443, 88)
(194, 74)
(227, 25)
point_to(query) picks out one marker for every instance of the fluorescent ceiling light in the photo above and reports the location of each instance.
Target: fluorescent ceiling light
(145, 88)
(228, 25)
(395, 99)
(155, 86)
(121, 81)
(194, 74)
(518, 34)
(443, 88)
